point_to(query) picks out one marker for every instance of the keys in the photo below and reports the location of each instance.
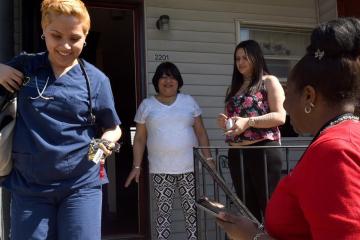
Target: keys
(95, 153)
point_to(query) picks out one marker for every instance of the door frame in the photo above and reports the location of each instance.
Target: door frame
(137, 6)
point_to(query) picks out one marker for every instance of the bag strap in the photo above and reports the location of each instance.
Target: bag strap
(91, 118)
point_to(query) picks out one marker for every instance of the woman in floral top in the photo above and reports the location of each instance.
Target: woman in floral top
(255, 103)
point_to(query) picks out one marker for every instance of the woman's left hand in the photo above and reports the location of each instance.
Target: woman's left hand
(236, 227)
(107, 151)
(110, 135)
(240, 125)
(221, 121)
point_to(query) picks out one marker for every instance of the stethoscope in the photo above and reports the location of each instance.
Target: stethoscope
(91, 118)
(41, 93)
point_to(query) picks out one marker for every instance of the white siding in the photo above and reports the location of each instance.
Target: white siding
(202, 37)
(327, 10)
(200, 41)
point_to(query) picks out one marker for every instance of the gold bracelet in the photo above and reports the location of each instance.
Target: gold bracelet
(251, 122)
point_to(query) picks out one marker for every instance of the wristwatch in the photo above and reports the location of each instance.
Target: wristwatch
(251, 122)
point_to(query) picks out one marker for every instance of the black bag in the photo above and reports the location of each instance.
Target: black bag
(7, 124)
(8, 105)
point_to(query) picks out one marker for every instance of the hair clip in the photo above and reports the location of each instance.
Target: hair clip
(319, 54)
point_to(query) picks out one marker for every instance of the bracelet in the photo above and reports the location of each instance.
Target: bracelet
(210, 159)
(251, 122)
(259, 235)
(136, 167)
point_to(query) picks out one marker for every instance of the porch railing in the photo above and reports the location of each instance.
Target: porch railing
(217, 185)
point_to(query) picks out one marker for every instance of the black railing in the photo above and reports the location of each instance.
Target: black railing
(217, 184)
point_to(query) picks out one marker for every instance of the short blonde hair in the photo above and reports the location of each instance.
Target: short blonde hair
(66, 7)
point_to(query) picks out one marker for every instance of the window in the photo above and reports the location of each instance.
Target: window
(282, 46)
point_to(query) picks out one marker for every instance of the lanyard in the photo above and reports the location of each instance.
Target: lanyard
(91, 118)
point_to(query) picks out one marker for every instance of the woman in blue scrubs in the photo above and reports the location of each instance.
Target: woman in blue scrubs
(56, 189)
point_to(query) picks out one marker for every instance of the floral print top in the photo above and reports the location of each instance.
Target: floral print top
(249, 105)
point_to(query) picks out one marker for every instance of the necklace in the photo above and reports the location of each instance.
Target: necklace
(332, 122)
(337, 120)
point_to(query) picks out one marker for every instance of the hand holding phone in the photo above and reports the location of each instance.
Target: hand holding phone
(211, 207)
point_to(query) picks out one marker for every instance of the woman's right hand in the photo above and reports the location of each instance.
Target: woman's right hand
(134, 174)
(236, 227)
(10, 78)
(221, 121)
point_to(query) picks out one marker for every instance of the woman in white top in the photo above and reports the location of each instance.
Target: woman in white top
(169, 124)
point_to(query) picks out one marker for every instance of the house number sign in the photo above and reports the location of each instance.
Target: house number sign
(161, 57)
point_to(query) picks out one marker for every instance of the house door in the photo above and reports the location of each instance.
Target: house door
(348, 8)
(111, 45)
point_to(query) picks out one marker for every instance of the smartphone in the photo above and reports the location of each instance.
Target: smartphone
(211, 207)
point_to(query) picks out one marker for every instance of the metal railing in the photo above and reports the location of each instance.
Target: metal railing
(217, 184)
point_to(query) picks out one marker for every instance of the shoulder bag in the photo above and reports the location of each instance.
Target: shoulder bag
(7, 124)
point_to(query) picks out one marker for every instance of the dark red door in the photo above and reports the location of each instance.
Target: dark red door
(348, 8)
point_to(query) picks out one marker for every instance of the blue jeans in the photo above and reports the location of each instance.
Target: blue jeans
(60, 216)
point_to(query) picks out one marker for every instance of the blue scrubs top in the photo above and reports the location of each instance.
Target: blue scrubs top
(52, 136)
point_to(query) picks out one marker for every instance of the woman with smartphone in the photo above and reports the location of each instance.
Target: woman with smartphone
(253, 112)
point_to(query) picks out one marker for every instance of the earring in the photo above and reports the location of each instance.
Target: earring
(42, 36)
(84, 44)
(308, 109)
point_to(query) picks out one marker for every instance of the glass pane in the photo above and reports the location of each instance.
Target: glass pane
(244, 34)
(278, 42)
(280, 68)
(282, 46)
